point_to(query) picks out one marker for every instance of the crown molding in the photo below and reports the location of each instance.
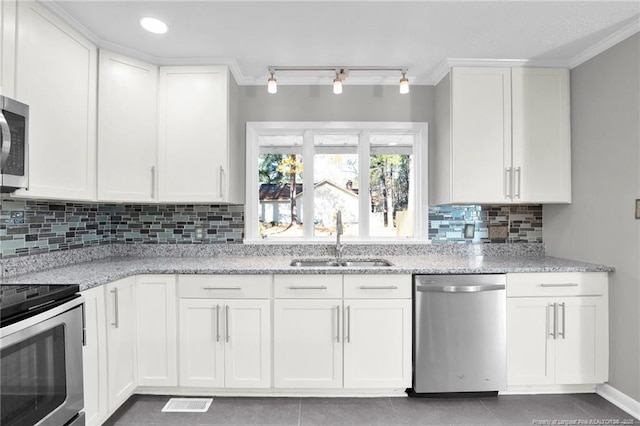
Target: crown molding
(232, 63)
(438, 74)
(610, 41)
(625, 32)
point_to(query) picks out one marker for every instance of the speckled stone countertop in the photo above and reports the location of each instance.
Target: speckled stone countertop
(101, 271)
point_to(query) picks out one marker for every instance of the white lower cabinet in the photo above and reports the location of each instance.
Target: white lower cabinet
(324, 341)
(557, 329)
(121, 341)
(156, 330)
(94, 357)
(377, 343)
(307, 343)
(225, 342)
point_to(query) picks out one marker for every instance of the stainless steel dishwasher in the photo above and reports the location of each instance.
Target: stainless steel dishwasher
(459, 340)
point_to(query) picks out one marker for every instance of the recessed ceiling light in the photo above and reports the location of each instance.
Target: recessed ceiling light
(153, 25)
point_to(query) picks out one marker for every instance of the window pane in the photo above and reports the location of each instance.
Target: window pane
(391, 186)
(280, 177)
(335, 169)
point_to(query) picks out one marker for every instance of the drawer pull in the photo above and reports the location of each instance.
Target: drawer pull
(381, 287)
(560, 285)
(222, 288)
(297, 287)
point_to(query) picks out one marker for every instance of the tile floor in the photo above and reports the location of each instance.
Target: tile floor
(578, 409)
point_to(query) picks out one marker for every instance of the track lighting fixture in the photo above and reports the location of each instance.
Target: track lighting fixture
(404, 84)
(341, 73)
(272, 84)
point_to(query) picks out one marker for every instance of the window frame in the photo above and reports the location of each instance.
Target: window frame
(308, 130)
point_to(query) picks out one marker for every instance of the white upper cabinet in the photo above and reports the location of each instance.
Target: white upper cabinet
(502, 136)
(55, 74)
(193, 135)
(541, 135)
(7, 47)
(127, 123)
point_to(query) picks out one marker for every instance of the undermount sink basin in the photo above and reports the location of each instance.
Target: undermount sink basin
(314, 263)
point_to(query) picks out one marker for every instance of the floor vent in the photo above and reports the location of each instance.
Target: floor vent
(187, 405)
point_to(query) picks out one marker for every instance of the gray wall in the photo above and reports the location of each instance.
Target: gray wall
(318, 103)
(605, 117)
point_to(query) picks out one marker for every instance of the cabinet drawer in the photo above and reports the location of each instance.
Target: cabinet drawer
(308, 286)
(224, 286)
(377, 286)
(557, 284)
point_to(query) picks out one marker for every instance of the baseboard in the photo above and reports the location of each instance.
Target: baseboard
(268, 392)
(619, 399)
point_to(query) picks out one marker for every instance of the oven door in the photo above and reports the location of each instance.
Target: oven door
(41, 368)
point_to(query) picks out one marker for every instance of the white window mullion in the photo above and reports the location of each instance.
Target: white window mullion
(364, 201)
(307, 191)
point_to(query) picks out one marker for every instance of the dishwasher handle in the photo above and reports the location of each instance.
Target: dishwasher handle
(459, 288)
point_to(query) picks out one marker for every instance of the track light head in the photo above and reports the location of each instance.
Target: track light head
(272, 84)
(404, 84)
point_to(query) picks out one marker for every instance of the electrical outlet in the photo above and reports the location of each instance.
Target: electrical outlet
(498, 232)
(200, 233)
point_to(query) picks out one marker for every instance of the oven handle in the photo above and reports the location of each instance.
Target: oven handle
(6, 141)
(49, 313)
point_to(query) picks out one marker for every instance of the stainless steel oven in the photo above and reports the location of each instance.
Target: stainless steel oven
(41, 358)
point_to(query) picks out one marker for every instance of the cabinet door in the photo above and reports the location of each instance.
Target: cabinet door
(307, 343)
(541, 135)
(530, 345)
(121, 335)
(481, 134)
(377, 343)
(126, 129)
(94, 357)
(201, 343)
(193, 134)
(7, 47)
(247, 344)
(156, 321)
(56, 76)
(581, 353)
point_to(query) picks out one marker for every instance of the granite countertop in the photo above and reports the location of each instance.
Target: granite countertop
(101, 271)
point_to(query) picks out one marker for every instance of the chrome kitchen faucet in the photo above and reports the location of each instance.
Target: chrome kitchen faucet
(339, 231)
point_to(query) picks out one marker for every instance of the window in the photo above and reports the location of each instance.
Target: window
(300, 175)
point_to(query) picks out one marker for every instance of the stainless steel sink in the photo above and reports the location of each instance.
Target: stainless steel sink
(367, 263)
(314, 263)
(358, 263)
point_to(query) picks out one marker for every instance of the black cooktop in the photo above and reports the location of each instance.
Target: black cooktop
(19, 301)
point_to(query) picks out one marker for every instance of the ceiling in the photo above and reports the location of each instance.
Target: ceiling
(425, 36)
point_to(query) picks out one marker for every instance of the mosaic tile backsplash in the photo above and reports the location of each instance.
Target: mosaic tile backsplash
(521, 223)
(33, 227)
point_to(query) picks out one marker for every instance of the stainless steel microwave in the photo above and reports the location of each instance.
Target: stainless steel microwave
(14, 145)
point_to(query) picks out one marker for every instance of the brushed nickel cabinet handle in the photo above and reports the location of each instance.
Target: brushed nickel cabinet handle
(217, 323)
(115, 308)
(381, 287)
(153, 182)
(222, 288)
(559, 285)
(301, 287)
(226, 323)
(518, 179)
(348, 315)
(507, 186)
(564, 311)
(222, 175)
(338, 323)
(549, 322)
